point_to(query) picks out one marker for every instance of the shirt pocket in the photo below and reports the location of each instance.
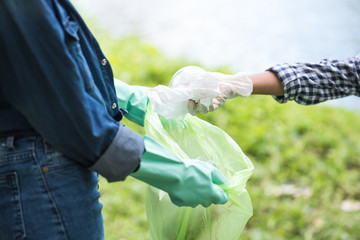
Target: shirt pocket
(74, 40)
(71, 35)
(71, 29)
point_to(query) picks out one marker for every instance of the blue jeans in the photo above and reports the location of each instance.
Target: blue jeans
(44, 195)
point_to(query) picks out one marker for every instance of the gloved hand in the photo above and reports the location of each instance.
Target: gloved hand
(188, 182)
(133, 99)
(229, 86)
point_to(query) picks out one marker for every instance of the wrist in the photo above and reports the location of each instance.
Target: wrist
(235, 85)
(267, 83)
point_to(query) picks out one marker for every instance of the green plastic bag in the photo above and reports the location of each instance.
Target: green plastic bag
(193, 138)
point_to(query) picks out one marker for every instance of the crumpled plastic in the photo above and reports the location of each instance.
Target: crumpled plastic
(193, 138)
(190, 82)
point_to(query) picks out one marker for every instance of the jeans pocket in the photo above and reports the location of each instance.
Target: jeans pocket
(11, 220)
(58, 163)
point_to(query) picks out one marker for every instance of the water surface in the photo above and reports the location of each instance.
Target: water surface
(248, 36)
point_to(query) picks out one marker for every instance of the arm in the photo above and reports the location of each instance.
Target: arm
(311, 83)
(267, 83)
(315, 82)
(133, 99)
(305, 83)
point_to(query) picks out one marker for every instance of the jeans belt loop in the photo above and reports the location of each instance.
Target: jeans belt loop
(10, 142)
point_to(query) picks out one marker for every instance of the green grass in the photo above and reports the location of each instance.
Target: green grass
(313, 150)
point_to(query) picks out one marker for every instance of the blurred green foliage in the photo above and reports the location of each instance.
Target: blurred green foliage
(307, 158)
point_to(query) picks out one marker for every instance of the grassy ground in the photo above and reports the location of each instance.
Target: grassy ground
(306, 159)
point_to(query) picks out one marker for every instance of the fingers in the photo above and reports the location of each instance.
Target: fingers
(220, 197)
(194, 107)
(217, 177)
(203, 109)
(217, 102)
(200, 186)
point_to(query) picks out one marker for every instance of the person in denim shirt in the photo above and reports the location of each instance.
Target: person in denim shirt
(59, 129)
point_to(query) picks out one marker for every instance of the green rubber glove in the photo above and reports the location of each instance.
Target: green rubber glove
(133, 99)
(188, 182)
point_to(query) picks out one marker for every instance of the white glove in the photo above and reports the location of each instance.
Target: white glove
(227, 86)
(189, 83)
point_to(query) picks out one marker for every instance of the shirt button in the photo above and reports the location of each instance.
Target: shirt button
(45, 169)
(114, 105)
(103, 62)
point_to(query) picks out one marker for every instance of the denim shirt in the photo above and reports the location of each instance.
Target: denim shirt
(56, 81)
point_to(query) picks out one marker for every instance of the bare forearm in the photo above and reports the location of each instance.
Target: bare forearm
(267, 83)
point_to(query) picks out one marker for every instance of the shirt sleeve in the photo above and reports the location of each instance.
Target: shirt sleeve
(45, 81)
(311, 83)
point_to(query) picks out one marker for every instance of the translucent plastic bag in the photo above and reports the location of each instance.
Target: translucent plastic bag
(194, 138)
(188, 83)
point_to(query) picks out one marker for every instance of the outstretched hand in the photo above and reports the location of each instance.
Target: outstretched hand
(226, 86)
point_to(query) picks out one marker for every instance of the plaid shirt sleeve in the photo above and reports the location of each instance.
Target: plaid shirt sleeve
(311, 83)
